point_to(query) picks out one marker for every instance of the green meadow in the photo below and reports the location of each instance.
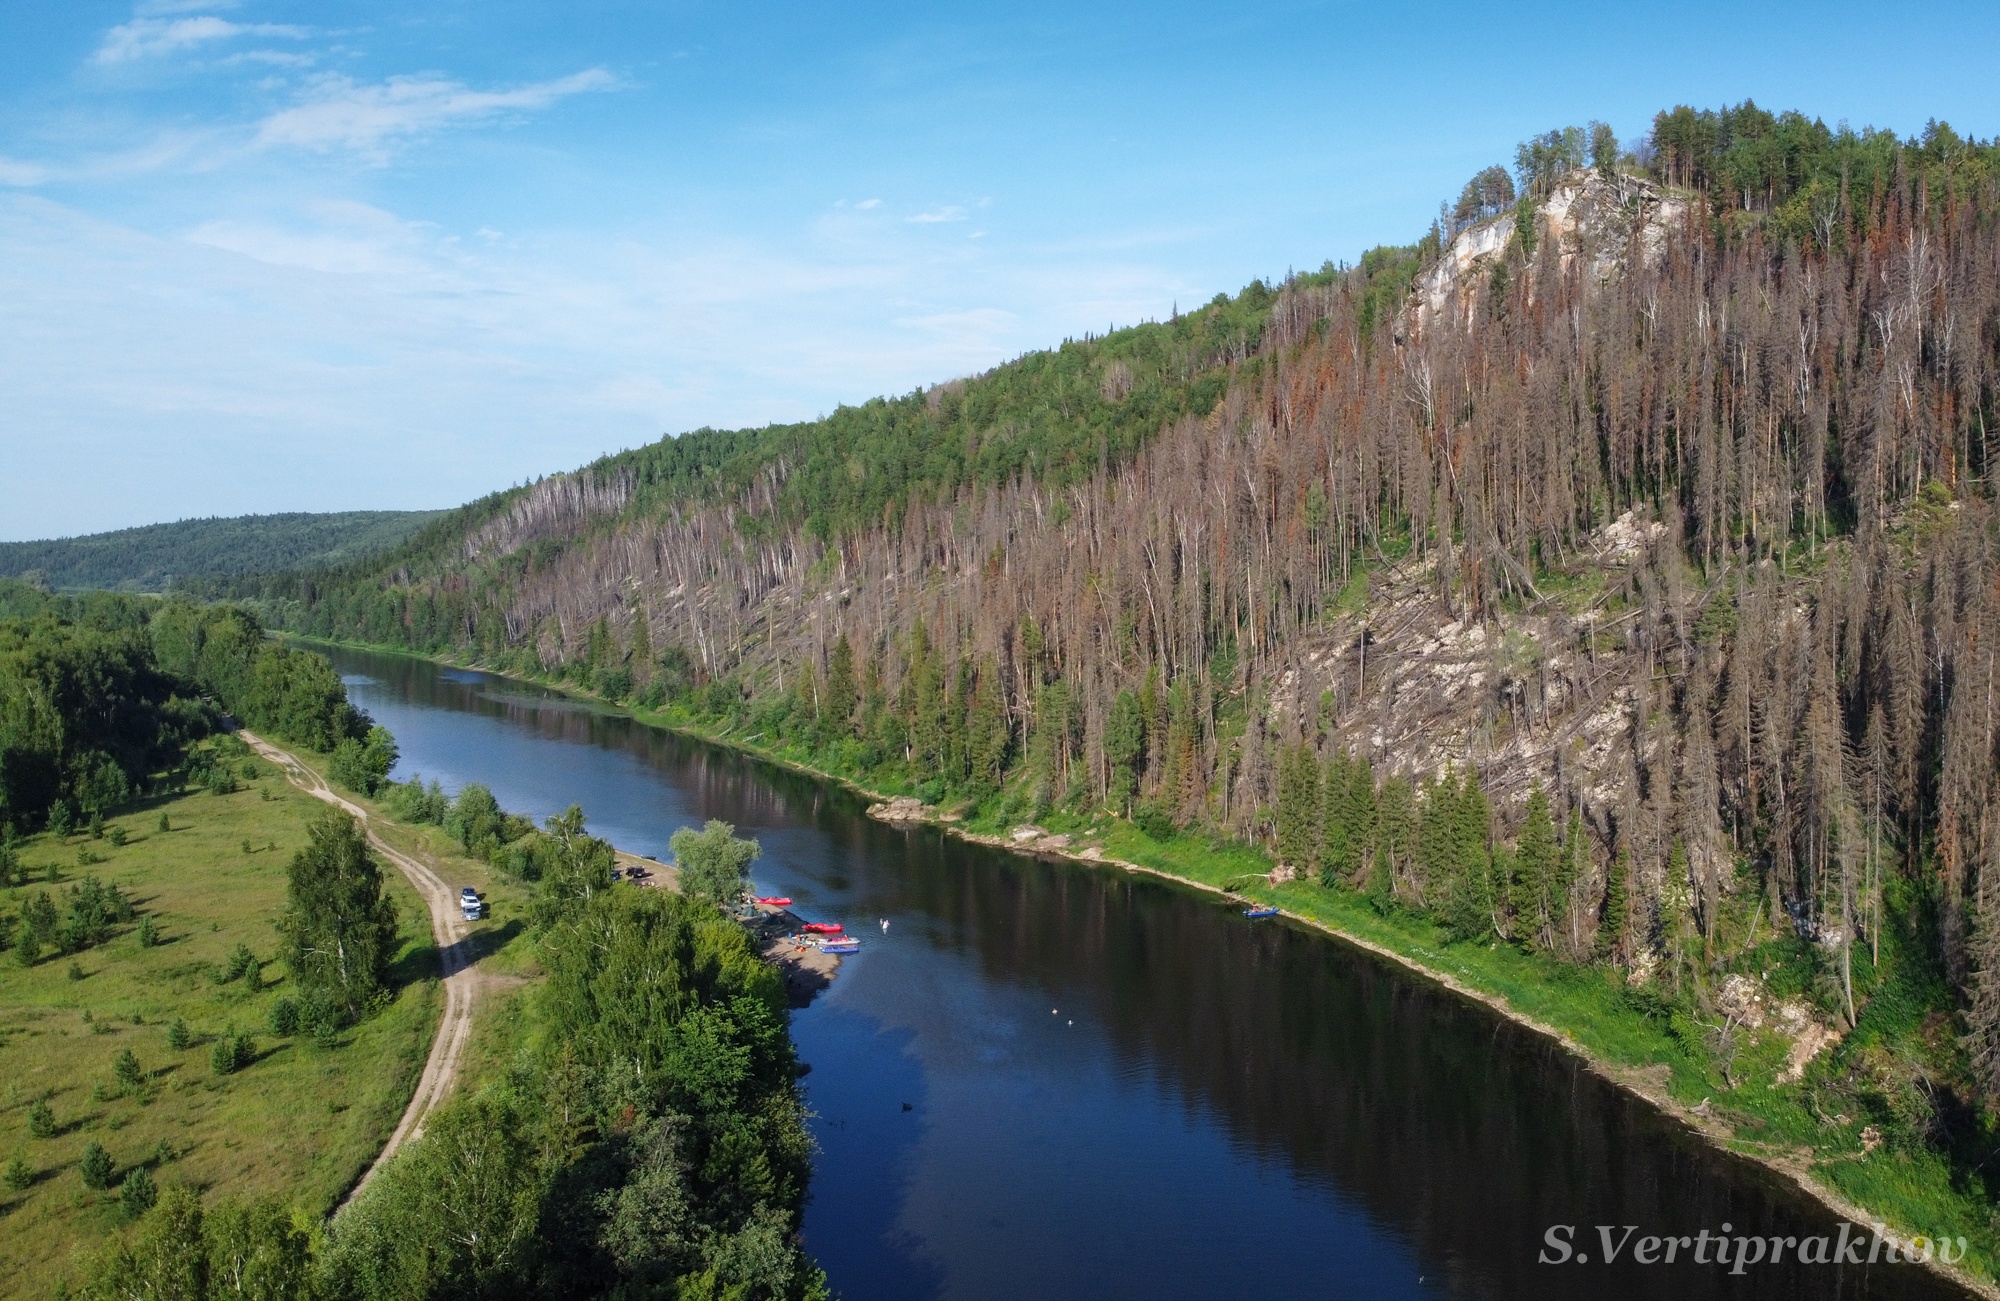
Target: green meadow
(219, 1100)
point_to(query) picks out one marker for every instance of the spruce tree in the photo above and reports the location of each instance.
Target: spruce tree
(96, 1167)
(1298, 806)
(1335, 853)
(1535, 884)
(841, 692)
(1124, 750)
(1614, 929)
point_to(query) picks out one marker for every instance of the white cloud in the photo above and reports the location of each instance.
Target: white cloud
(337, 112)
(151, 37)
(273, 58)
(277, 354)
(866, 204)
(15, 172)
(951, 212)
(183, 6)
(336, 235)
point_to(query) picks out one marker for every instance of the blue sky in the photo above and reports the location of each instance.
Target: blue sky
(262, 256)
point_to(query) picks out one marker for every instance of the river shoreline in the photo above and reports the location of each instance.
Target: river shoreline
(1644, 1084)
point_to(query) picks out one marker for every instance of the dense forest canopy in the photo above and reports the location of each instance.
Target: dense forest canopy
(101, 694)
(151, 558)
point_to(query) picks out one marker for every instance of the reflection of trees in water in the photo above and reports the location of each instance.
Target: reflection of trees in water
(1453, 1128)
(1458, 1131)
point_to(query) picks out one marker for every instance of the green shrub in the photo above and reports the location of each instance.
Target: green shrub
(125, 1069)
(138, 1193)
(165, 824)
(116, 835)
(96, 1167)
(75, 971)
(230, 1053)
(149, 933)
(42, 1120)
(285, 1016)
(177, 1034)
(242, 962)
(1153, 820)
(19, 1176)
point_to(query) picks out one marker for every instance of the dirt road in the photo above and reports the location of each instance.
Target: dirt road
(462, 981)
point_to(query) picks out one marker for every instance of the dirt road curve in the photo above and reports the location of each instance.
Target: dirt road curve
(455, 954)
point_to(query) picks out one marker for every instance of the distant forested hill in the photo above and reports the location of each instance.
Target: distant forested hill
(148, 558)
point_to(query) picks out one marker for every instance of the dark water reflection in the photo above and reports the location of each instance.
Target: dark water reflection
(1048, 1080)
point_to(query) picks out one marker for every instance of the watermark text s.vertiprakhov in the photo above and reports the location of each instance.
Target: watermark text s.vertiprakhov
(1739, 1253)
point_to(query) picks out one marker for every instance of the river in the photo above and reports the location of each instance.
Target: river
(1051, 1080)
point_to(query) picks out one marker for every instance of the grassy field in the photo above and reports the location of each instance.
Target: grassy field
(506, 955)
(300, 1120)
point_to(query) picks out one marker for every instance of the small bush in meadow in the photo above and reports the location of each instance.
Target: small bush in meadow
(96, 1167)
(242, 962)
(138, 1193)
(42, 1120)
(177, 1034)
(230, 1053)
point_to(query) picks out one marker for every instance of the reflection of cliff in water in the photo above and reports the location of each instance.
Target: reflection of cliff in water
(1457, 1132)
(1454, 1128)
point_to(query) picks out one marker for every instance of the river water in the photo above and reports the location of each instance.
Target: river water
(1049, 1080)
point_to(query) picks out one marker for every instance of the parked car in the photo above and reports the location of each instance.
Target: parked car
(470, 903)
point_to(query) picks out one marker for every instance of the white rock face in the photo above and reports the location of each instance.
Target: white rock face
(1603, 222)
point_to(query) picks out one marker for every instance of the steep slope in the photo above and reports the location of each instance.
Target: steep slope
(154, 556)
(1645, 523)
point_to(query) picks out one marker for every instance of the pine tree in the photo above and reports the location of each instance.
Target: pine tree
(1536, 875)
(1396, 826)
(642, 646)
(1124, 750)
(1382, 881)
(1617, 923)
(986, 735)
(96, 1167)
(1185, 782)
(1335, 852)
(841, 692)
(1298, 806)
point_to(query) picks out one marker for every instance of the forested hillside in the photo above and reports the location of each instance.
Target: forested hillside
(1613, 574)
(150, 558)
